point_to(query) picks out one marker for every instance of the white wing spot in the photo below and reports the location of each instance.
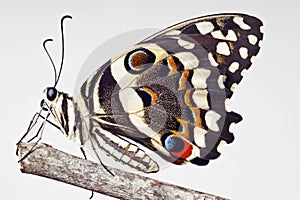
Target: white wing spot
(260, 43)
(221, 146)
(240, 22)
(211, 119)
(243, 72)
(231, 36)
(199, 78)
(200, 99)
(233, 87)
(233, 67)
(205, 27)
(243, 52)
(185, 44)
(252, 39)
(199, 136)
(218, 35)
(262, 29)
(227, 107)
(252, 59)
(212, 60)
(221, 82)
(188, 59)
(223, 48)
(130, 100)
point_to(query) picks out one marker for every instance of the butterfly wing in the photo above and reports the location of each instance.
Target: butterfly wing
(232, 40)
(170, 91)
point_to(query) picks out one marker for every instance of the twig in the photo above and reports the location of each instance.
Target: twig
(48, 162)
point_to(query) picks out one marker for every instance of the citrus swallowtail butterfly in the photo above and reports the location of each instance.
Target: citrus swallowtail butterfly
(169, 93)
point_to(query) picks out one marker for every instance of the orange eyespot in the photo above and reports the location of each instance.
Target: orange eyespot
(138, 60)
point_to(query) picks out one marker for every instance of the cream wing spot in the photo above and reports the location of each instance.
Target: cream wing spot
(185, 44)
(212, 60)
(240, 22)
(243, 72)
(199, 136)
(205, 27)
(243, 52)
(252, 59)
(231, 36)
(252, 39)
(211, 119)
(233, 67)
(221, 146)
(200, 99)
(200, 77)
(233, 87)
(131, 101)
(223, 48)
(262, 29)
(118, 71)
(227, 106)
(260, 43)
(218, 35)
(188, 59)
(221, 82)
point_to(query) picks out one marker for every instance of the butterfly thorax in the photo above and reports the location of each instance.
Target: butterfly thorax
(66, 113)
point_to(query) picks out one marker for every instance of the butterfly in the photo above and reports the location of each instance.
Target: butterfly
(169, 93)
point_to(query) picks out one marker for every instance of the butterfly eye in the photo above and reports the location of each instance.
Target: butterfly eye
(138, 60)
(51, 93)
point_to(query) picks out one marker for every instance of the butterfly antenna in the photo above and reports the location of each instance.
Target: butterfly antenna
(62, 46)
(55, 72)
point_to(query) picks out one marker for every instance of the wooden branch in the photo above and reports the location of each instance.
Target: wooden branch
(48, 162)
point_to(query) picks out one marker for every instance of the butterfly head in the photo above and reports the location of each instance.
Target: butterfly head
(59, 104)
(50, 97)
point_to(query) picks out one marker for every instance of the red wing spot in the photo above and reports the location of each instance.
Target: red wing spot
(186, 150)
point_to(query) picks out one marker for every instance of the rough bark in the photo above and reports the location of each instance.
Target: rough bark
(48, 162)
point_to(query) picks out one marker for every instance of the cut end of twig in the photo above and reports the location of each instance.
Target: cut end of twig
(45, 161)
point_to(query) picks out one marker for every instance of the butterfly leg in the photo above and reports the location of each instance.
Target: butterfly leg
(84, 155)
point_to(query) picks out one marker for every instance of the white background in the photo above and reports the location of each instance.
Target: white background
(263, 161)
